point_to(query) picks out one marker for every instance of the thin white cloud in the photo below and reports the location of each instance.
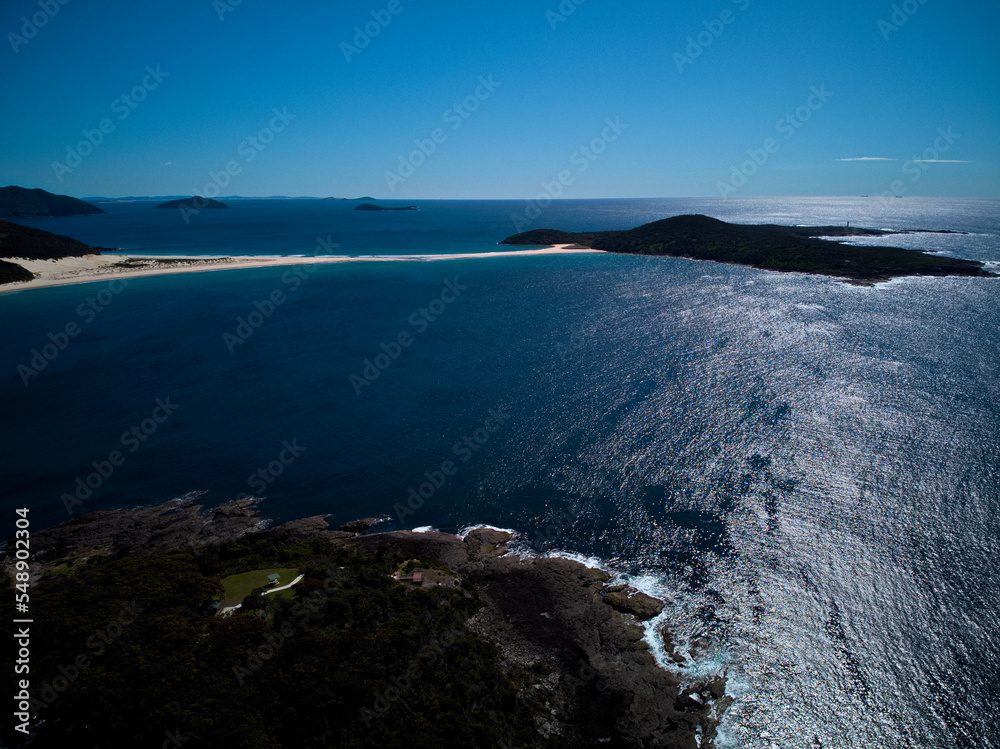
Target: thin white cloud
(918, 161)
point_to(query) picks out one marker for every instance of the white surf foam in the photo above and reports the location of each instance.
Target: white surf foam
(463, 532)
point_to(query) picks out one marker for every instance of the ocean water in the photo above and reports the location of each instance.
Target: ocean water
(809, 469)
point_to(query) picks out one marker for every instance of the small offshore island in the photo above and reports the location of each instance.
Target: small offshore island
(369, 639)
(765, 246)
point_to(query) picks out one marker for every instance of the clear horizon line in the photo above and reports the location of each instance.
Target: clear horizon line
(520, 199)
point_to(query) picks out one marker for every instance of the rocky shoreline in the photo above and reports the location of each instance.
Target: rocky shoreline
(788, 249)
(581, 635)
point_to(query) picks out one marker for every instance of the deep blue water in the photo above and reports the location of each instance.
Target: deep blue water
(292, 227)
(810, 468)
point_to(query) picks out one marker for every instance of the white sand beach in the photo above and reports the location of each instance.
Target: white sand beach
(93, 268)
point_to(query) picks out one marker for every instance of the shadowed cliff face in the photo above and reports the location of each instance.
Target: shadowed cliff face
(765, 246)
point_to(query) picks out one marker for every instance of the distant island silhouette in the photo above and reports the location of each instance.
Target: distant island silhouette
(195, 202)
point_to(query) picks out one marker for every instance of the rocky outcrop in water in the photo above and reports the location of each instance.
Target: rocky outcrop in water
(549, 616)
(629, 601)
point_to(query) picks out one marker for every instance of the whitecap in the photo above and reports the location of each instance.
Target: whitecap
(463, 532)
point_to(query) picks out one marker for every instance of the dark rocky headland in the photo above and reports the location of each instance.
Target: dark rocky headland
(17, 241)
(549, 652)
(765, 246)
(22, 202)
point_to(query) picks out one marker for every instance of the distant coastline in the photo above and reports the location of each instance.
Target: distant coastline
(53, 260)
(195, 202)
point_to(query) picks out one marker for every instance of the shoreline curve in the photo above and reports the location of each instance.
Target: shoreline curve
(97, 268)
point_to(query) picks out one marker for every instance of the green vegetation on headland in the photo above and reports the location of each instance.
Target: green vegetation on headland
(766, 246)
(196, 202)
(133, 650)
(22, 202)
(419, 640)
(237, 587)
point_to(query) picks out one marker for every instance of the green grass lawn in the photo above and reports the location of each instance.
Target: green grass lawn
(238, 587)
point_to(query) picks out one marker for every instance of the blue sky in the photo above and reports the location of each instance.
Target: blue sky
(536, 84)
